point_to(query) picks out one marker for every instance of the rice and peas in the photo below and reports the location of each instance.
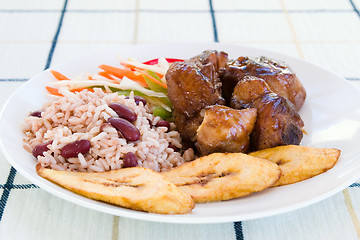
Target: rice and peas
(84, 116)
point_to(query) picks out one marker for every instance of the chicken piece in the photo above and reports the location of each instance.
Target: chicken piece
(187, 126)
(194, 84)
(280, 78)
(218, 59)
(277, 123)
(225, 130)
(247, 91)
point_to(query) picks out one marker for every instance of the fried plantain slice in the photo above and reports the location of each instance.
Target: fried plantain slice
(136, 188)
(223, 176)
(298, 163)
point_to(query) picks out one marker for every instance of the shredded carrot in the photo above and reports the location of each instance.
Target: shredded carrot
(109, 77)
(134, 68)
(123, 72)
(90, 77)
(105, 75)
(118, 72)
(130, 66)
(58, 75)
(80, 89)
(53, 91)
(152, 78)
(160, 75)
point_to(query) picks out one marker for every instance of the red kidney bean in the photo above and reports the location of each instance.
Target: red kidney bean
(163, 123)
(138, 99)
(126, 128)
(130, 160)
(36, 114)
(123, 111)
(40, 149)
(73, 149)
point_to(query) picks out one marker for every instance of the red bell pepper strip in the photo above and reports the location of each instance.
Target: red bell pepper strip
(169, 60)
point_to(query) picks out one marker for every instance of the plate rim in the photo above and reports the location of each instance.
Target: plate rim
(158, 217)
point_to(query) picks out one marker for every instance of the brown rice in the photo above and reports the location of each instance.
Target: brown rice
(82, 116)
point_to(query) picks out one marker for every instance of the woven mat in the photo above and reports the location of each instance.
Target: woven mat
(36, 34)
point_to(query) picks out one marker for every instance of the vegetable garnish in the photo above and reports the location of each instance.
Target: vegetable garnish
(138, 65)
(106, 75)
(128, 84)
(161, 112)
(144, 79)
(58, 75)
(156, 60)
(154, 83)
(123, 72)
(53, 91)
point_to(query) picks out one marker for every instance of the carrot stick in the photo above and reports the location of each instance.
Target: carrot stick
(123, 72)
(58, 75)
(53, 91)
(105, 75)
(152, 78)
(133, 68)
(108, 76)
(119, 72)
(160, 75)
(80, 89)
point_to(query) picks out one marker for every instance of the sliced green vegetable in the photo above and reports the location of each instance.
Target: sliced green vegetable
(160, 103)
(161, 112)
(166, 101)
(127, 93)
(153, 74)
(127, 84)
(154, 86)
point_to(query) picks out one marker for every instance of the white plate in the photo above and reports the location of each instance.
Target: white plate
(331, 114)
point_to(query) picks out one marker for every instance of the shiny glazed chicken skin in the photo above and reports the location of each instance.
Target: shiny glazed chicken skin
(193, 85)
(225, 130)
(198, 88)
(280, 78)
(277, 123)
